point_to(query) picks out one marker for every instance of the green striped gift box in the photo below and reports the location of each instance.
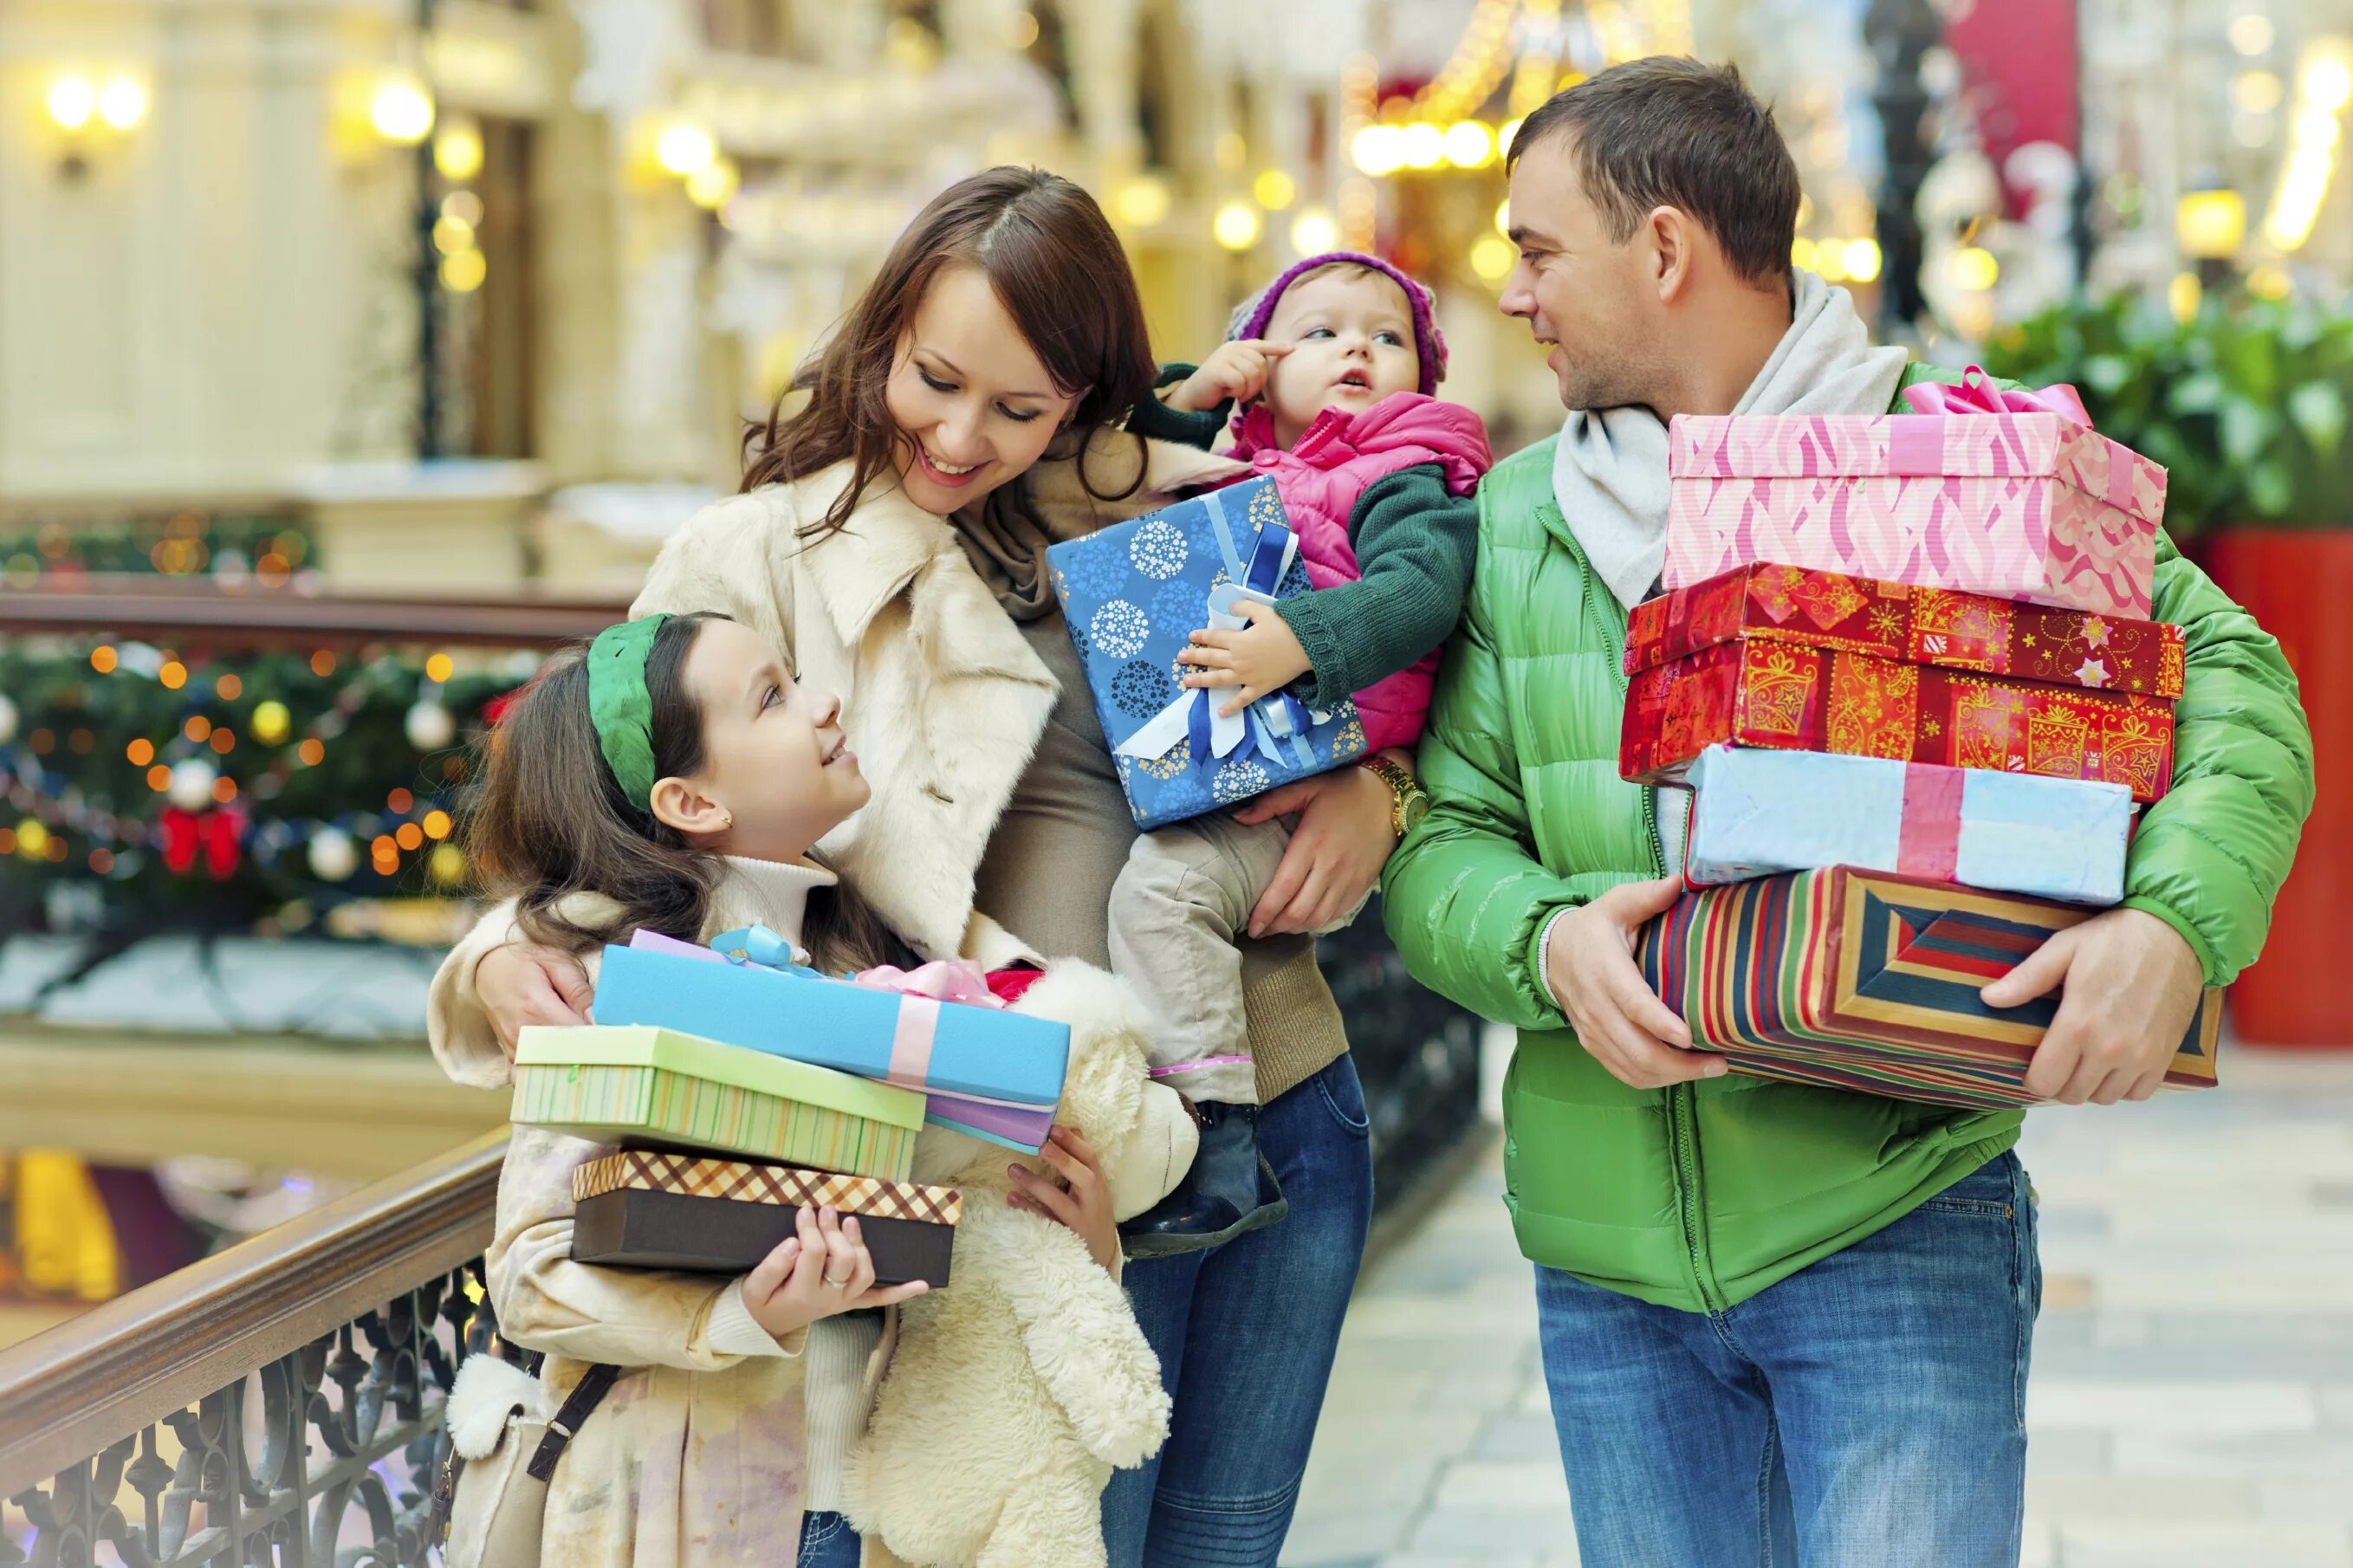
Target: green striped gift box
(640, 1083)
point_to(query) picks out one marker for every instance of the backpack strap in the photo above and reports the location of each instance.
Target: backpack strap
(586, 1395)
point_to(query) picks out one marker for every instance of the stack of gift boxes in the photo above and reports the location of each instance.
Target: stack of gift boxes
(742, 1087)
(1904, 667)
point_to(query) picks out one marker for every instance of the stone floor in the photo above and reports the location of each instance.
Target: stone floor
(2192, 1392)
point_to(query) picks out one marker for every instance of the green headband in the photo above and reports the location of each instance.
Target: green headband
(621, 706)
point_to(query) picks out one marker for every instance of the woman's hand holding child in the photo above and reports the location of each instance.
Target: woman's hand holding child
(527, 982)
(1084, 1206)
(822, 1270)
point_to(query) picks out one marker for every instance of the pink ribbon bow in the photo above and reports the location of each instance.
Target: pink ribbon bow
(1976, 394)
(923, 989)
(941, 980)
(1919, 448)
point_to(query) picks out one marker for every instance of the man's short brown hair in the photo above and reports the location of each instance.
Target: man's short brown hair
(1665, 132)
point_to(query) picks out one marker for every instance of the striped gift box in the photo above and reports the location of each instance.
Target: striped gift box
(615, 1082)
(1866, 980)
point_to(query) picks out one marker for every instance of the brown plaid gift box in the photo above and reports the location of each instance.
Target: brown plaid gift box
(649, 1208)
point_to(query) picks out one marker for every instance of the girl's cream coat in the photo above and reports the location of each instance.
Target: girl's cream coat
(694, 1460)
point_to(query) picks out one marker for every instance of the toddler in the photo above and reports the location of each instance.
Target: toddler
(1332, 367)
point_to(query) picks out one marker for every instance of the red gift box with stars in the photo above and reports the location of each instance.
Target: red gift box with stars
(1750, 691)
(1765, 602)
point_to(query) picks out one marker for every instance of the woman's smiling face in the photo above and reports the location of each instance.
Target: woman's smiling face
(973, 404)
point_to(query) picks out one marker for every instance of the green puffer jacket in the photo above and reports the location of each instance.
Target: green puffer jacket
(1700, 1196)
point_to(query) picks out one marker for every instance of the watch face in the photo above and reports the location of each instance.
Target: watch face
(1412, 809)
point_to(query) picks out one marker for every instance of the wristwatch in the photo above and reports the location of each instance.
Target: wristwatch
(1411, 804)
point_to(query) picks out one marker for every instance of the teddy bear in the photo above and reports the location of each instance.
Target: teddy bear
(1013, 1392)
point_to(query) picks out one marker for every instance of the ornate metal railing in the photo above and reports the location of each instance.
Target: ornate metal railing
(277, 1404)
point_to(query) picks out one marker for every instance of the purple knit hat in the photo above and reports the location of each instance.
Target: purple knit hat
(1250, 318)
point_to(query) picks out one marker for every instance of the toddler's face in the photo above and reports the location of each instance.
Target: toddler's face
(773, 753)
(1351, 333)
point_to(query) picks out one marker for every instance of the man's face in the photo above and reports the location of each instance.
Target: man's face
(1593, 299)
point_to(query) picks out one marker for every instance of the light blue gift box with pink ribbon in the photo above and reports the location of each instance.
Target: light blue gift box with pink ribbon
(1132, 596)
(1759, 812)
(984, 1069)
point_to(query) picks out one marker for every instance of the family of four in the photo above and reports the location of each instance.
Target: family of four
(1780, 1324)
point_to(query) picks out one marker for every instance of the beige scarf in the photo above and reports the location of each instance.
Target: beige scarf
(1005, 539)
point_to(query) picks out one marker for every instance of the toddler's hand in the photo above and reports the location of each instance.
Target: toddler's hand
(1236, 370)
(1263, 657)
(821, 1271)
(1084, 1207)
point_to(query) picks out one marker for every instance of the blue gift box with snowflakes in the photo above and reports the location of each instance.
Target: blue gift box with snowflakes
(1133, 594)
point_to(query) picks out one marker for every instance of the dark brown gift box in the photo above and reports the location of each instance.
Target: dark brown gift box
(649, 1208)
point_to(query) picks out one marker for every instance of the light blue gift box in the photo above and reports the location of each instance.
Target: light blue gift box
(1133, 594)
(980, 1053)
(1756, 811)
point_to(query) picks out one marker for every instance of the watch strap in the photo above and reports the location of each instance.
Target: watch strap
(1403, 788)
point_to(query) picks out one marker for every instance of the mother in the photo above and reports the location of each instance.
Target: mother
(890, 538)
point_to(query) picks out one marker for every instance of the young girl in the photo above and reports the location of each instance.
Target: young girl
(1334, 364)
(674, 778)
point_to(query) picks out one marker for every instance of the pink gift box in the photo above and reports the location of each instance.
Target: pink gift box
(2031, 506)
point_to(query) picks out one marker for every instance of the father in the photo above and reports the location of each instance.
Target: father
(1778, 1321)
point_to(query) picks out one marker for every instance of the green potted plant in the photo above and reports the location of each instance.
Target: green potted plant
(2247, 403)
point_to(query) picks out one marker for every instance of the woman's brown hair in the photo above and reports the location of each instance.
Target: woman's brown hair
(1056, 267)
(549, 820)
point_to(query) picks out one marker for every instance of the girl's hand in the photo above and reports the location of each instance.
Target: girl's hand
(821, 1271)
(524, 983)
(1236, 370)
(1342, 840)
(1085, 1207)
(1263, 657)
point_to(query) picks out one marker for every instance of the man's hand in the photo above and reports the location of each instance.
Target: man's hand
(2132, 986)
(1619, 1019)
(1236, 370)
(1263, 657)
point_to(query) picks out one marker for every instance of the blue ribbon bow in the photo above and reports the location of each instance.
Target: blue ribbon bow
(1271, 721)
(759, 946)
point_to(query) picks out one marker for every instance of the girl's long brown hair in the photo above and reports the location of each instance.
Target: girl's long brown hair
(1056, 267)
(549, 820)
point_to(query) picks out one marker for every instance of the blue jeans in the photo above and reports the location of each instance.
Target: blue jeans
(1245, 1333)
(1868, 1410)
(827, 1541)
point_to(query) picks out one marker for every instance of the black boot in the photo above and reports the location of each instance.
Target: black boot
(1230, 1190)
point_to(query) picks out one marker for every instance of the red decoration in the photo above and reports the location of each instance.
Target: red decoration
(1914, 625)
(212, 836)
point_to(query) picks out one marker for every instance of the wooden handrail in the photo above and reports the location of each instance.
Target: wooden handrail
(67, 1393)
(167, 609)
